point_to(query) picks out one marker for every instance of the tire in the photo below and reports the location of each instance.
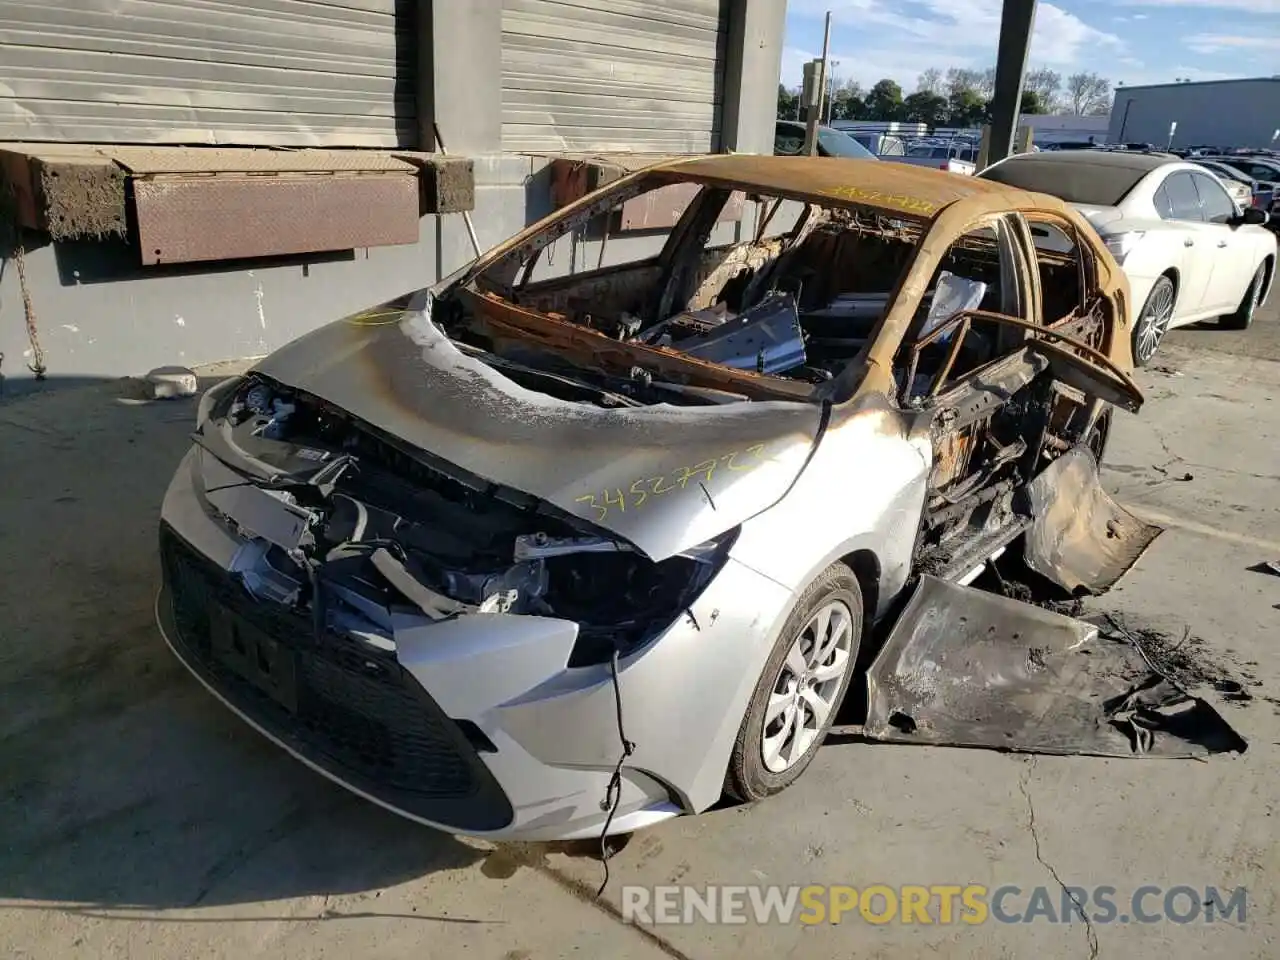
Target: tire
(752, 775)
(1153, 321)
(1243, 317)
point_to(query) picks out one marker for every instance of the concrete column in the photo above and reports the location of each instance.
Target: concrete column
(459, 82)
(1016, 24)
(753, 62)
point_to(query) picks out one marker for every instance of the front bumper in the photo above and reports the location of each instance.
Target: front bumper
(473, 725)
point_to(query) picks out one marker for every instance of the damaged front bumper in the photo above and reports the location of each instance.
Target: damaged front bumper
(473, 723)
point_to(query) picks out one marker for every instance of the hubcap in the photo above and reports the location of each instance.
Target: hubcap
(1154, 322)
(805, 690)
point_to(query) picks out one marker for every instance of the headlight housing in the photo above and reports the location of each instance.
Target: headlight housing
(212, 399)
(623, 600)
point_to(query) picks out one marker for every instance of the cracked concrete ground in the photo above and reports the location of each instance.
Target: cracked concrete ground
(143, 821)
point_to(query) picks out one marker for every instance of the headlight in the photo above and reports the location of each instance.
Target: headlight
(622, 601)
(1123, 244)
(212, 397)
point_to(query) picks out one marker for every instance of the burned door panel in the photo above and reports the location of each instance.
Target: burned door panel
(964, 667)
(1080, 538)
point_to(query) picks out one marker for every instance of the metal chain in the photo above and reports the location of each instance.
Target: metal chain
(36, 365)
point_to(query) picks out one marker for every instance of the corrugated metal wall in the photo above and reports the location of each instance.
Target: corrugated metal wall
(1226, 113)
(280, 72)
(641, 75)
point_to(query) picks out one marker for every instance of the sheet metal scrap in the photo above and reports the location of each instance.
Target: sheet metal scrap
(963, 667)
(1081, 539)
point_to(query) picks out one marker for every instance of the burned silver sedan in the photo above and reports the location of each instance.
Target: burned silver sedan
(547, 551)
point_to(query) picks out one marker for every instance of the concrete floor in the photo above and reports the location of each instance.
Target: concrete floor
(142, 820)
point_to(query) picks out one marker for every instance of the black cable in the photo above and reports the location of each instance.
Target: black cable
(613, 793)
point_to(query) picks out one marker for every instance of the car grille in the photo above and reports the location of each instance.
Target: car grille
(353, 711)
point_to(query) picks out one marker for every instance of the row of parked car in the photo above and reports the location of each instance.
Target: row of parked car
(1195, 235)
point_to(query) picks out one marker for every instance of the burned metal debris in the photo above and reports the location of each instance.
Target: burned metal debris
(964, 667)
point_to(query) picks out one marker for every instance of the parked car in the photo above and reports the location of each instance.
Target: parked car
(789, 142)
(1262, 168)
(547, 554)
(1190, 253)
(1263, 193)
(952, 157)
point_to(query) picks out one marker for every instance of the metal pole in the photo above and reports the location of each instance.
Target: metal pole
(1016, 23)
(811, 127)
(831, 90)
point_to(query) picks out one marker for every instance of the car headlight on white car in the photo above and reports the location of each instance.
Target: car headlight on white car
(1123, 244)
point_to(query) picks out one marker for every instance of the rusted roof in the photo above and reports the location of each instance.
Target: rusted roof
(897, 188)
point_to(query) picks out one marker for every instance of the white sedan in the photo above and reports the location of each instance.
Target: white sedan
(1189, 251)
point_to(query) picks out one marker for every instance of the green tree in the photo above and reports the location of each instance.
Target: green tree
(966, 108)
(788, 101)
(847, 101)
(923, 107)
(1031, 102)
(884, 102)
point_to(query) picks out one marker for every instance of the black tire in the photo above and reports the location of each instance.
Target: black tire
(748, 778)
(1243, 317)
(1153, 316)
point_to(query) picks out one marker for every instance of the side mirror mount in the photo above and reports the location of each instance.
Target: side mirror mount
(1251, 216)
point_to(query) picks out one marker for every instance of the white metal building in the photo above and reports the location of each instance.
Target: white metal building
(154, 228)
(1219, 113)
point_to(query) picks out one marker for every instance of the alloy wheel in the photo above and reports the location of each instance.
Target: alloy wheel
(1157, 313)
(807, 686)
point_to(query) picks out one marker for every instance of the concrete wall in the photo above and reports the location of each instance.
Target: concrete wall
(98, 314)
(1227, 113)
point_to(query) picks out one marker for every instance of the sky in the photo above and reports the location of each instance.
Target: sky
(1126, 41)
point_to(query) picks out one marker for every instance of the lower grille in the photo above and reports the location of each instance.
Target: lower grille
(354, 712)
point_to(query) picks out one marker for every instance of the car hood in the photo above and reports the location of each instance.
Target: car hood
(664, 478)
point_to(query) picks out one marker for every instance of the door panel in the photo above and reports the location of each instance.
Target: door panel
(1233, 267)
(1195, 267)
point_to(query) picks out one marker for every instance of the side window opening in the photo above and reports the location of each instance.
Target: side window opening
(950, 337)
(1062, 270)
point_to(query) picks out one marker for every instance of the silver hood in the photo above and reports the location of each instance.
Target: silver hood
(662, 477)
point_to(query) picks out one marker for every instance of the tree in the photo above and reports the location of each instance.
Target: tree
(1031, 103)
(1088, 93)
(847, 101)
(930, 81)
(986, 85)
(1046, 85)
(925, 107)
(788, 103)
(966, 108)
(884, 102)
(960, 79)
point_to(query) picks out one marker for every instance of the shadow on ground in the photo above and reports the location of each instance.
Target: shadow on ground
(122, 783)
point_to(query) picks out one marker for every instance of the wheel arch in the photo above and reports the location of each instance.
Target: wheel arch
(1268, 278)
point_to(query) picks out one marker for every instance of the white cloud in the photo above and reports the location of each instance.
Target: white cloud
(944, 34)
(1251, 6)
(1218, 42)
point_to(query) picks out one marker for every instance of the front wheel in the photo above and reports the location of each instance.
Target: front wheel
(1153, 321)
(800, 689)
(1243, 317)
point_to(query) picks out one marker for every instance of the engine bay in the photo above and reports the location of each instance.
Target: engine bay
(357, 531)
